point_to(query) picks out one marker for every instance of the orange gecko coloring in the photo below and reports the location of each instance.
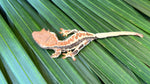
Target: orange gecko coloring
(73, 44)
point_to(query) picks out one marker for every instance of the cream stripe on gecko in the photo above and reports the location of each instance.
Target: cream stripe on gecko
(73, 44)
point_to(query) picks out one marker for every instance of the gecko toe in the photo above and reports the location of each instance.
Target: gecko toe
(64, 57)
(60, 32)
(73, 58)
(53, 56)
(61, 29)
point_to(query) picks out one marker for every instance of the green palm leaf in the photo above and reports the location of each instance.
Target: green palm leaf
(16, 60)
(112, 60)
(141, 5)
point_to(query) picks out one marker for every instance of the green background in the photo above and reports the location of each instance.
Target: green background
(117, 60)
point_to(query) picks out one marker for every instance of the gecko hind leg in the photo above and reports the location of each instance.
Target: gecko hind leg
(76, 51)
(56, 54)
(67, 32)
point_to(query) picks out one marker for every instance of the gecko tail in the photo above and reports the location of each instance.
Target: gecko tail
(119, 33)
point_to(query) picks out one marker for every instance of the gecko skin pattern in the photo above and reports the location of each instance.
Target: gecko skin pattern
(73, 44)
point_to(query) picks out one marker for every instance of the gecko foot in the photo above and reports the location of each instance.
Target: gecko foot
(69, 54)
(53, 56)
(64, 32)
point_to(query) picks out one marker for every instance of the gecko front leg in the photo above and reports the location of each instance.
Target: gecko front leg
(67, 32)
(56, 54)
(77, 49)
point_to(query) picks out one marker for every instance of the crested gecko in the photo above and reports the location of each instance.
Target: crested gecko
(73, 44)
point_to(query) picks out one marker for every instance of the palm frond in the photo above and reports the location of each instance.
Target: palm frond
(113, 60)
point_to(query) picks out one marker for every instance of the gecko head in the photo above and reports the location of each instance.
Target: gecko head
(45, 38)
